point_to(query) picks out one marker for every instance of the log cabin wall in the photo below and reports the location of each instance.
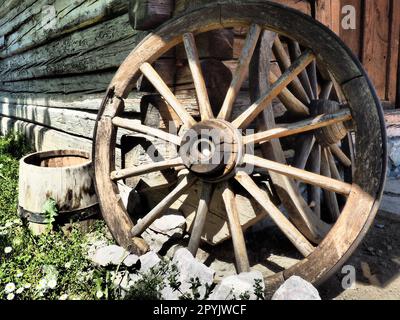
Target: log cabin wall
(57, 57)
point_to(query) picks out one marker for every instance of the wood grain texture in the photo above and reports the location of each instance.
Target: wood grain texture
(376, 43)
(69, 17)
(96, 48)
(239, 244)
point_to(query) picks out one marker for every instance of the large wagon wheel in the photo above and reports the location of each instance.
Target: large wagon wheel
(333, 120)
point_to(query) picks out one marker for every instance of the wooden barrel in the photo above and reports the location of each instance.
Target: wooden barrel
(63, 175)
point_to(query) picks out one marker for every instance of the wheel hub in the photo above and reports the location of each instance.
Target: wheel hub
(211, 149)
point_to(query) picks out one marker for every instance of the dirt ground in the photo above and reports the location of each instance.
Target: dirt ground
(376, 261)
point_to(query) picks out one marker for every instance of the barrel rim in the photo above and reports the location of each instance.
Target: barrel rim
(55, 153)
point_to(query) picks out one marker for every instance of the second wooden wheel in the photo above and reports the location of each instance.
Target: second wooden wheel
(312, 136)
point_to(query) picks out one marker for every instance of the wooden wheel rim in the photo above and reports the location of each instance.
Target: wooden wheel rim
(357, 216)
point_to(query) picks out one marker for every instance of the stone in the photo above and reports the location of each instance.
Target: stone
(394, 151)
(188, 268)
(235, 286)
(131, 260)
(172, 225)
(112, 254)
(148, 261)
(155, 240)
(296, 288)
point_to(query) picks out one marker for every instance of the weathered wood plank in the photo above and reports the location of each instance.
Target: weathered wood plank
(69, 17)
(393, 70)
(7, 6)
(69, 121)
(19, 13)
(376, 41)
(100, 47)
(85, 83)
(42, 138)
(71, 101)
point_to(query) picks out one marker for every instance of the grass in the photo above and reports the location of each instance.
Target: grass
(54, 265)
(50, 266)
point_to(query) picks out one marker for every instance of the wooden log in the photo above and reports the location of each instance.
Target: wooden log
(7, 6)
(82, 84)
(18, 13)
(70, 16)
(149, 14)
(42, 138)
(100, 47)
(70, 121)
(83, 102)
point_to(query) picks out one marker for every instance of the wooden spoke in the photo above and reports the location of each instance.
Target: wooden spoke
(163, 89)
(239, 244)
(301, 175)
(136, 125)
(197, 74)
(200, 219)
(330, 197)
(299, 212)
(326, 90)
(315, 166)
(340, 155)
(295, 52)
(147, 168)
(313, 78)
(158, 210)
(320, 121)
(241, 71)
(284, 64)
(288, 99)
(294, 235)
(276, 88)
(332, 165)
(303, 151)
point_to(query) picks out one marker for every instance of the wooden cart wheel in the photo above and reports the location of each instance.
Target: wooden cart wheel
(329, 189)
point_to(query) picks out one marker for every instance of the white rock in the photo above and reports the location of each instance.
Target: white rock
(112, 254)
(148, 261)
(295, 288)
(130, 260)
(188, 268)
(155, 240)
(172, 225)
(233, 287)
(394, 151)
